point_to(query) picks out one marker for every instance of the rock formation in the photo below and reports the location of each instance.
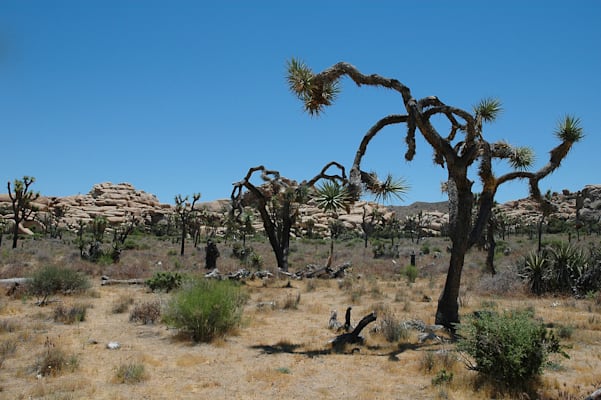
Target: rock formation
(117, 202)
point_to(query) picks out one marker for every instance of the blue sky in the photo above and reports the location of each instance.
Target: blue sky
(185, 96)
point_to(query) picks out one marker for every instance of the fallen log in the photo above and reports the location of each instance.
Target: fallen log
(354, 336)
(11, 281)
(105, 280)
(323, 272)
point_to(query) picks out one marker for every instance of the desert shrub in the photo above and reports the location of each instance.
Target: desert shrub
(53, 360)
(146, 313)
(442, 377)
(509, 348)
(8, 348)
(165, 281)
(70, 315)
(291, 302)
(7, 326)
(565, 331)
(122, 304)
(560, 268)
(411, 273)
(206, 309)
(384, 250)
(392, 329)
(130, 373)
(50, 280)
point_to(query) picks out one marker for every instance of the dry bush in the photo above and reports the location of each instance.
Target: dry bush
(122, 304)
(70, 315)
(53, 360)
(291, 302)
(130, 373)
(146, 313)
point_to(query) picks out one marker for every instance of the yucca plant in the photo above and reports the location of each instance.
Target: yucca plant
(332, 197)
(534, 272)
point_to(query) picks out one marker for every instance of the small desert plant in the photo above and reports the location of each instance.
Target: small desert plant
(442, 377)
(291, 302)
(122, 304)
(311, 285)
(509, 348)
(50, 280)
(411, 273)
(53, 360)
(165, 281)
(389, 325)
(206, 309)
(8, 347)
(70, 315)
(146, 313)
(130, 373)
(565, 331)
(7, 326)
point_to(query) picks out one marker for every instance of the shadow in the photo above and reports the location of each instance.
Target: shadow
(290, 348)
(403, 347)
(277, 348)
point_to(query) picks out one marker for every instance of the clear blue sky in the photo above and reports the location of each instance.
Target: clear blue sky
(185, 96)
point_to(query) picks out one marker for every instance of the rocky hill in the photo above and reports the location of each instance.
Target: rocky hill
(117, 202)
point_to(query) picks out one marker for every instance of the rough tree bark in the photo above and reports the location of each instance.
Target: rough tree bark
(277, 201)
(454, 152)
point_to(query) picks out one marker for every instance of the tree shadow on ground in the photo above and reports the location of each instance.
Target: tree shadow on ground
(290, 348)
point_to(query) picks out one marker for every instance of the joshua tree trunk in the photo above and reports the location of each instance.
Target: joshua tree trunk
(460, 206)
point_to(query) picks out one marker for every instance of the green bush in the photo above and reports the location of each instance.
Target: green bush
(509, 348)
(51, 280)
(130, 373)
(206, 309)
(411, 273)
(166, 281)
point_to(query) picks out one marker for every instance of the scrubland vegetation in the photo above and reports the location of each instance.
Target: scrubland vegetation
(64, 336)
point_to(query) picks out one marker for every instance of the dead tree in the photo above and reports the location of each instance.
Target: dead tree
(353, 337)
(457, 151)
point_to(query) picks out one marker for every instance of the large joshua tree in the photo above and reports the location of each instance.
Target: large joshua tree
(456, 150)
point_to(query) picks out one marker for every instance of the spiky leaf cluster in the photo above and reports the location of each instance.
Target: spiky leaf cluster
(331, 196)
(313, 95)
(488, 109)
(569, 129)
(389, 189)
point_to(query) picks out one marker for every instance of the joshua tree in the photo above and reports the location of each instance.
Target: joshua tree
(185, 211)
(21, 201)
(277, 201)
(457, 151)
(332, 197)
(546, 209)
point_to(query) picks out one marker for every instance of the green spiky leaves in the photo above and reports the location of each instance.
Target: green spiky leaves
(314, 95)
(332, 197)
(388, 189)
(569, 129)
(488, 109)
(520, 158)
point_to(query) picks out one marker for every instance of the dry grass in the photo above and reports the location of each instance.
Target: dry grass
(280, 351)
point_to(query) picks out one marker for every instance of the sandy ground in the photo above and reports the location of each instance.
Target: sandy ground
(276, 354)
